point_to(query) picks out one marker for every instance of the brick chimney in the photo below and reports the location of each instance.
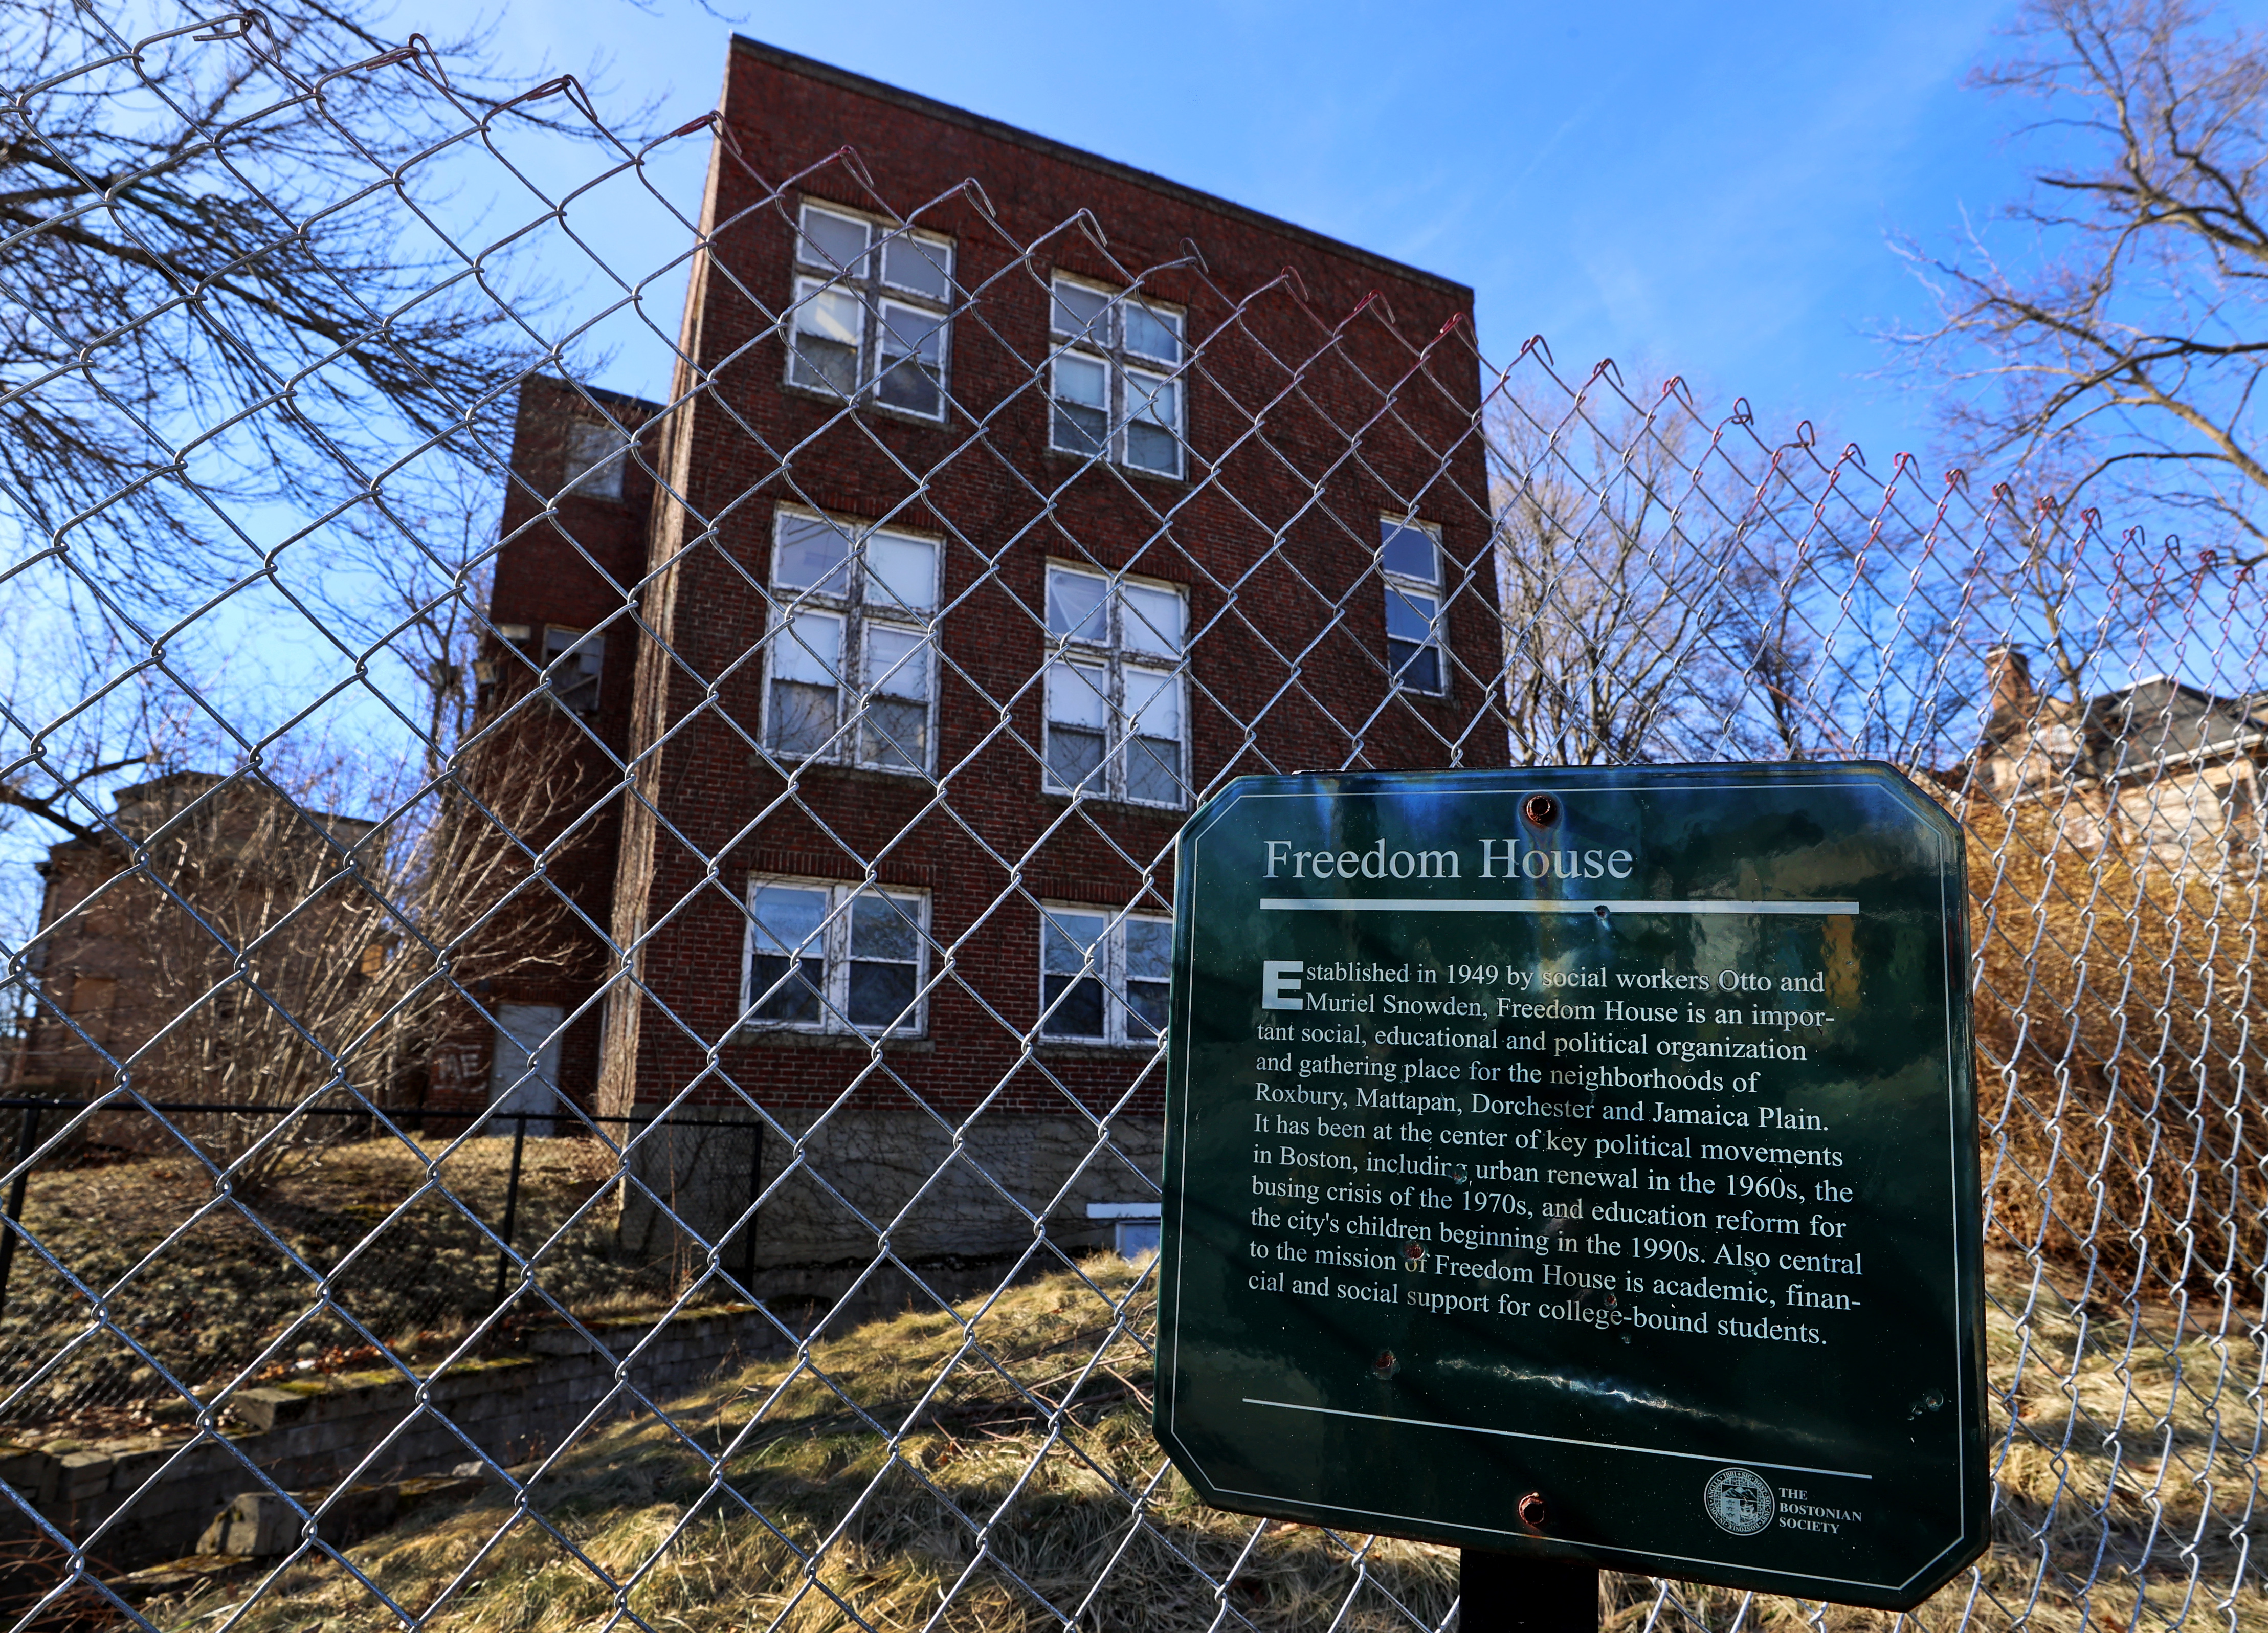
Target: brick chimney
(2009, 676)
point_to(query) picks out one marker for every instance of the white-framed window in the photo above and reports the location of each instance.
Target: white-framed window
(1410, 560)
(869, 320)
(1116, 724)
(571, 661)
(826, 956)
(1105, 976)
(851, 663)
(596, 455)
(1115, 388)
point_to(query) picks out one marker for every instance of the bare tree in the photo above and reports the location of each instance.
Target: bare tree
(225, 281)
(302, 930)
(2113, 1001)
(68, 761)
(256, 948)
(1658, 606)
(2113, 351)
(1629, 600)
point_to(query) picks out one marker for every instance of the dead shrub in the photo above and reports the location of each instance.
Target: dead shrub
(2116, 1029)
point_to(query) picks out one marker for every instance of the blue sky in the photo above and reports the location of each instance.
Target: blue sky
(1700, 190)
(1705, 190)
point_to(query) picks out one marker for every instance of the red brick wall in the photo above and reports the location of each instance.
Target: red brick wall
(573, 561)
(1329, 387)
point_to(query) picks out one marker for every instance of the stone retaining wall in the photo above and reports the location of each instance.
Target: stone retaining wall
(138, 1501)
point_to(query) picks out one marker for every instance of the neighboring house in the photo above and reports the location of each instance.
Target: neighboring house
(2157, 767)
(573, 551)
(986, 545)
(141, 932)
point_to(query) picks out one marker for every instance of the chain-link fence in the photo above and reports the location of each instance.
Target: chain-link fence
(585, 1043)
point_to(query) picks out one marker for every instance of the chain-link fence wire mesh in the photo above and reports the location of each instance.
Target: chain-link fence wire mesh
(108, 1204)
(809, 1318)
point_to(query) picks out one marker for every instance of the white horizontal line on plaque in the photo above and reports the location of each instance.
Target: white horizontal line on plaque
(1558, 1440)
(1520, 904)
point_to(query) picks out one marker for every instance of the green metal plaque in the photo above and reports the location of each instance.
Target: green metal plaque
(1582, 1162)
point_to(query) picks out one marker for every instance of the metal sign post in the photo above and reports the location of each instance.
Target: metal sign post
(1507, 1593)
(1580, 1166)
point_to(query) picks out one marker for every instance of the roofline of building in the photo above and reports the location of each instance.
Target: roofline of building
(214, 779)
(620, 399)
(2241, 701)
(812, 69)
(2240, 706)
(2228, 748)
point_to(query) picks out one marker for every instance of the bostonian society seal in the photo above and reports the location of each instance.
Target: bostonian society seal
(1739, 1500)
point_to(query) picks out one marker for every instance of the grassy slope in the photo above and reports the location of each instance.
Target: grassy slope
(1004, 1503)
(212, 1300)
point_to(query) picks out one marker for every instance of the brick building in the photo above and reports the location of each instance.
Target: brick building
(2160, 768)
(573, 549)
(143, 922)
(1009, 500)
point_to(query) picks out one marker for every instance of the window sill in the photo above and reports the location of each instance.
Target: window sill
(863, 403)
(1115, 802)
(1119, 465)
(840, 1043)
(1067, 1049)
(786, 765)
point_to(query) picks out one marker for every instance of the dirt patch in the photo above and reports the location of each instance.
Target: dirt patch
(383, 1242)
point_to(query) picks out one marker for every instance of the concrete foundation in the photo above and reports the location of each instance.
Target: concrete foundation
(949, 1207)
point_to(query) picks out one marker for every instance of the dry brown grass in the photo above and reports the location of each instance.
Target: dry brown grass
(2116, 1027)
(1012, 1430)
(211, 1301)
(1023, 1446)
